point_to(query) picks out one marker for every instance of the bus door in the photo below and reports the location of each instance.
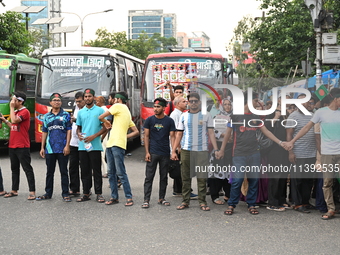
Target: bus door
(26, 77)
(133, 88)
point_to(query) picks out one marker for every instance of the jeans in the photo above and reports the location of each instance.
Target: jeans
(90, 162)
(1, 182)
(115, 160)
(240, 162)
(21, 156)
(73, 168)
(150, 172)
(51, 160)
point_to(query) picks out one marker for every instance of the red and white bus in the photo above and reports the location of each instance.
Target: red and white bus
(69, 70)
(196, 71)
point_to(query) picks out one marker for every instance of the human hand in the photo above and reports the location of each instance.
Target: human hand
(174, 156)
(107, 125)
(147, 157)
(292, 157)
(66, 150)
(287, 145)
(42, 153)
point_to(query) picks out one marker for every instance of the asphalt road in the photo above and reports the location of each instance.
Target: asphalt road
(56, 227)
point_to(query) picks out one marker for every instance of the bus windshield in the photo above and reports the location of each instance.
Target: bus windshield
(209, 72)
(5, 81)
(68, 74)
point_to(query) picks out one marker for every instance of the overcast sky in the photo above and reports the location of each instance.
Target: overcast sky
(216, 18)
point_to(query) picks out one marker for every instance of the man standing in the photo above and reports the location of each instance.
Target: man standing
(157, 129)
(329, 119)
(116, 146)
(89, 131)
(303, 156)
(19, 144)
(74, 144)
(55, 146)
(246, 154)
(194, 128)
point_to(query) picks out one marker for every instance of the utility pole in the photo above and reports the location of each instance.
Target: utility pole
(315, 6)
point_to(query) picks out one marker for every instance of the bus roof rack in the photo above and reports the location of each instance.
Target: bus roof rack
(194, 49)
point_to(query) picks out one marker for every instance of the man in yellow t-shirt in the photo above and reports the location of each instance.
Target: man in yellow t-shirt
(116, 146)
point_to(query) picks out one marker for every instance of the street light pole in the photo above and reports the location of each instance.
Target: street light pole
(82, 21)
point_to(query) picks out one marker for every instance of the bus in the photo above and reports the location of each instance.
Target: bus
(17, 73)
(196, 71)
(69, 70)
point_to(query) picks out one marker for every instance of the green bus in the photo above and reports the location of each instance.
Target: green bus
(17, 73)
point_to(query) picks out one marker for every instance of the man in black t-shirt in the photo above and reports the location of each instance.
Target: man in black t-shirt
(157, 129)
(246, 154)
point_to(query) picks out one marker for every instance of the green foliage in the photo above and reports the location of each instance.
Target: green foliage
(13, 35)
(140, 48)
(281, 39)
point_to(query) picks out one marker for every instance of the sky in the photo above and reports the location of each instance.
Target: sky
(216, 18)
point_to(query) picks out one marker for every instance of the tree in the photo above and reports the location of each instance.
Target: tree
(140, 47)
(14, 38)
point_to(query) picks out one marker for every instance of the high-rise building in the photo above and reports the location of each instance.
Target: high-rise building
(45, 13)
(151, 21)
(193, 40)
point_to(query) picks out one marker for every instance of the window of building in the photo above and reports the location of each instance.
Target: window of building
(167, 19)
(146, 24)
(146, 18)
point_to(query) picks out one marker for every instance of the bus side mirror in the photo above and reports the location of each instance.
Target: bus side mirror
(13, 66)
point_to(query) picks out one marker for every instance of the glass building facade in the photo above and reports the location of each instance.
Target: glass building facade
(150, 22)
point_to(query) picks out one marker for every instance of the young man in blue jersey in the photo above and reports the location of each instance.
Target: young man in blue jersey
(55, 146)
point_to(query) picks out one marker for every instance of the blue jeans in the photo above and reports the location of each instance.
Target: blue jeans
(239, 163)
(51, 160)
(115, 160)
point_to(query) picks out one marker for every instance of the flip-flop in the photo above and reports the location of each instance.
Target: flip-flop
(10, 194)
(4, 193)
(43, 197)
(129, 202)
(31, 197)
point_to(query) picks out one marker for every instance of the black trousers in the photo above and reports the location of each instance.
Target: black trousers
(73, 169)
(91, 162)
(150, 171)
(276, 189)
(301, 187)
(216, 185)
(21, 156)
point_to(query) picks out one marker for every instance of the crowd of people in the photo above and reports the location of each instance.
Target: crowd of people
(205, 145)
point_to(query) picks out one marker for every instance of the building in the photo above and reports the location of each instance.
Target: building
(193, 40)
(45, 13)
(151, 21)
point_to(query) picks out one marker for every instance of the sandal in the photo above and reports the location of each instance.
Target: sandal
(226, 199)
(2, 193)
(84, 198)
(67, 199)
(100, 199)
(229, 211)
(253, 211)
(31, 197)
(112, 201)
(164, 202)
(204, 207)
(10, 194)
(217, 201)
(328, 215)
(145, 205)
(43, 197)
(182, 206)
(129, 202)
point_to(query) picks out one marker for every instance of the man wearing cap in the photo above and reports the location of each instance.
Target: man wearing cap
(157, 129)
(55, 146)
(89, 131)
(19, 144)
(116, 146)
(329, 119)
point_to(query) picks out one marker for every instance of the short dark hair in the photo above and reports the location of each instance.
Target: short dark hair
(179, 87)
(79, 94)
(326, 100)
(20, 94)
(334, 93)
(124, 94)
(112, 94)
(162, 100)
(194, 94)
(254, 95)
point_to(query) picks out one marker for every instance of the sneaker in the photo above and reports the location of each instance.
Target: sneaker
(174, 194)
(277, 209)
(193, 196)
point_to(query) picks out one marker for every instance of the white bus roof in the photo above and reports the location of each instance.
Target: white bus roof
(88, 51)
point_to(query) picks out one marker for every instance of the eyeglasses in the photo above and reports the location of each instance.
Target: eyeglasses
(193, 101)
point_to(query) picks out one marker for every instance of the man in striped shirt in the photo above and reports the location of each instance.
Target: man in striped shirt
(303, 156)
(193, 131)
